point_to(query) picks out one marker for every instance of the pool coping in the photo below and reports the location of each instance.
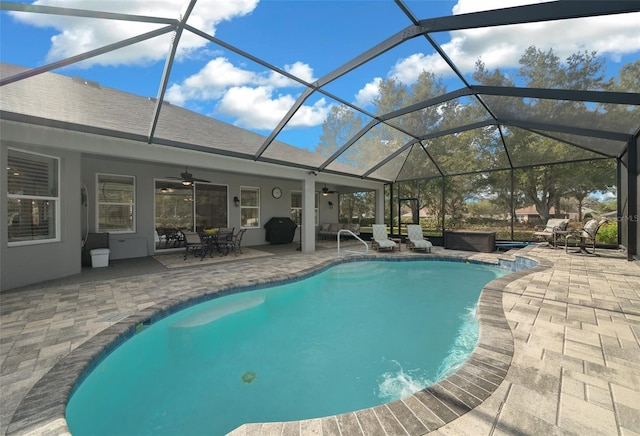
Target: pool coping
(426, 410)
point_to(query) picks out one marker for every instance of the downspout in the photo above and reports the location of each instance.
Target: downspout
(632, 198)
(619, 208)
(513, 206)
(443, 207)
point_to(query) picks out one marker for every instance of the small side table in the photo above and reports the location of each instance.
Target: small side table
(398, 242)
(557, 234)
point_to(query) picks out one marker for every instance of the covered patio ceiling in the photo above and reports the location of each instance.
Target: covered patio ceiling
(470, 115)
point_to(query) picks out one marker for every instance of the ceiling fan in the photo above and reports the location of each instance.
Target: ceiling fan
(187, 178)
(326, 191)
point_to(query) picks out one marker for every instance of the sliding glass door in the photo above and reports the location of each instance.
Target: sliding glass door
(186, 208)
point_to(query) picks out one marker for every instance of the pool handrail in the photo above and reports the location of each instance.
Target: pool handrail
(349, 232)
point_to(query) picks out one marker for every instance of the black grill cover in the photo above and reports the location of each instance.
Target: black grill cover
(280, 230)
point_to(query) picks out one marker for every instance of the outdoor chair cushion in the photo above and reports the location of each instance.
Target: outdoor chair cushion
(416, 239)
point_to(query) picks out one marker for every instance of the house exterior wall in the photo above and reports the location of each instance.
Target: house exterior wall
(83, 155)
(26, 264)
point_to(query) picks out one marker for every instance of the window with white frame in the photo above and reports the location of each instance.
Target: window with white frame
(115, 196)
(296, 207)
(249, 207)
(33, 197)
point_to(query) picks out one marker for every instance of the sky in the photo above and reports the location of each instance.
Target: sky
(306, 38)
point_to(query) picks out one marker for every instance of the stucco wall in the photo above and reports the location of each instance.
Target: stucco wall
(27, 264)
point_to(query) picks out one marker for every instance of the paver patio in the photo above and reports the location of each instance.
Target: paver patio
(575, 327)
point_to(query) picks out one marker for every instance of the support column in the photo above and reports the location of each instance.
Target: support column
(380, 204)
(308, 230)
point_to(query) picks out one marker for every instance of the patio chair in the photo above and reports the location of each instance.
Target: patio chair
(555, 227)
(235, 243)
(193, 244)
(224, 237)
(381, 240)
(585, 235)
(415, 239)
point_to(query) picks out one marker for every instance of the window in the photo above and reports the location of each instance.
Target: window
(116, 203)
(249, 207)
(33, 197)
(296, 207)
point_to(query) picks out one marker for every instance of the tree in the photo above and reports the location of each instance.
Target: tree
(545, 185)
(585, 178)
(537, 159)
(341, 124)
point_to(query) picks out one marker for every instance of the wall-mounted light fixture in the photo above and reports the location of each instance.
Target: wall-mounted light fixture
(236, 201)
(330, 205)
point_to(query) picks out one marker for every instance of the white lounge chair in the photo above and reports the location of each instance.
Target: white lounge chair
(415, 239)
(381, 240)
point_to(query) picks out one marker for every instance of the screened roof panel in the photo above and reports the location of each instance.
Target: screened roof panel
(257, 32)
(600, 116)
(439, 117)
(417, 165)
(468, 151)
(606, 147)
(516, 49)
(238, 91)
(372, 148)
(528, 148)
(398, 69)
(299, 82)
(392, 168)
(340, 124)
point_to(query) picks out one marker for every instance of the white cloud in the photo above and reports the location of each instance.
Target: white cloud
(501, 47)
(254, 107)
(247, 96)
(78, 35)
(469, 6)
(311, 115)
(371, 90)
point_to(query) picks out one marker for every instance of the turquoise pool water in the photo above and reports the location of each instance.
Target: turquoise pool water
(354, 336)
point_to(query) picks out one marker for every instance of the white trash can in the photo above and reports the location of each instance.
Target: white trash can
(100, 257)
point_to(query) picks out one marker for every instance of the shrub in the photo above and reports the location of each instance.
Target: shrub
(608, 233)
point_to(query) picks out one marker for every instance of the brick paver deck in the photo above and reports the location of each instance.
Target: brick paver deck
(561, 357)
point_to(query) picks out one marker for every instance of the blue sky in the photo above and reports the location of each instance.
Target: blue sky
(308, 38)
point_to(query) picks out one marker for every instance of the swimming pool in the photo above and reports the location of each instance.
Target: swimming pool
(294, 351)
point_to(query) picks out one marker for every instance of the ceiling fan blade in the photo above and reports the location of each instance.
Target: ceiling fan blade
(186, 176)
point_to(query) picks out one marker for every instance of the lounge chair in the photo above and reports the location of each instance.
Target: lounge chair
(415, 239)
(585, 235)
(381, 240)
(555, 227)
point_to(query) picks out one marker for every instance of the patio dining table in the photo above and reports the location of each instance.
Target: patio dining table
(216, 241)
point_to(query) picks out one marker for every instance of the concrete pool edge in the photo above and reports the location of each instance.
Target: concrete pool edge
(44, 405)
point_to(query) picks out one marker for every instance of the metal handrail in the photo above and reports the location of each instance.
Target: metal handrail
(366, 246)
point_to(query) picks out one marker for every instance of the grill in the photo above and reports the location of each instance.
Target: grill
(280, 230)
